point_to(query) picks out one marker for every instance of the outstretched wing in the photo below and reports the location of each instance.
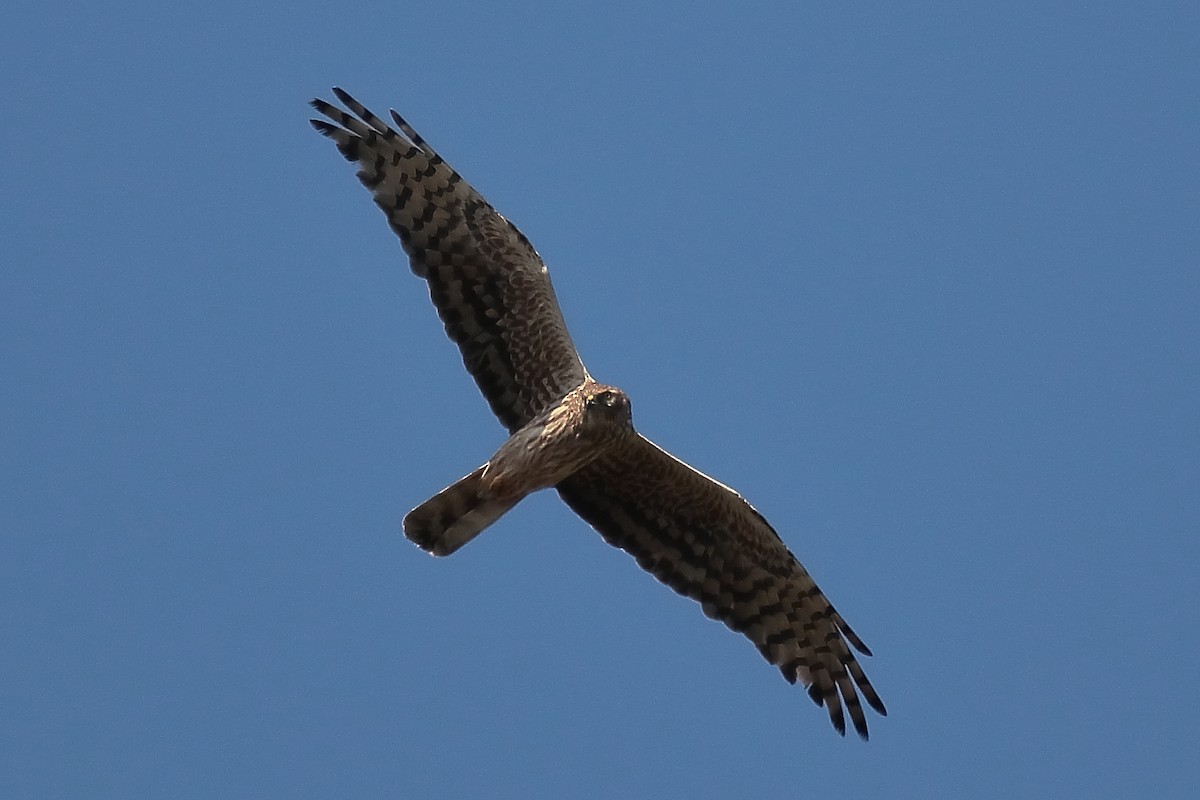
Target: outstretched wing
(703, 540)
(489, 285)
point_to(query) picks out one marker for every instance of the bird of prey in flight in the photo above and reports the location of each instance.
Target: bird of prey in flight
(572, 434)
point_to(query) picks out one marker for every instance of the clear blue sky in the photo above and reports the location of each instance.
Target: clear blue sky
(921, 280)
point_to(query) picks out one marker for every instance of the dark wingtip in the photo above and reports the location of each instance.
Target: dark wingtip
(342, 94)
(849, 634)
(322, 127)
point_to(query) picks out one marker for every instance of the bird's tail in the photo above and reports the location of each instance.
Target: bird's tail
(454, 516)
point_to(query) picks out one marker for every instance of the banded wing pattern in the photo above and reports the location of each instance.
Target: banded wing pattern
(489, 285)
(705, 541)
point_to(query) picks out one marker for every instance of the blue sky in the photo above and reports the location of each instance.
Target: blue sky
(921, 280)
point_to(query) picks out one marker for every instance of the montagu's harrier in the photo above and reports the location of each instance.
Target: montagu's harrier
(576, 435)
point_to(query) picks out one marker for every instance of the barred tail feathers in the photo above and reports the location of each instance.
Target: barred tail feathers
(454, 516)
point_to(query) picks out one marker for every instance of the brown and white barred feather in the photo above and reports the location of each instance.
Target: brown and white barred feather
(705, 541)
(455, 515)
(489, 285)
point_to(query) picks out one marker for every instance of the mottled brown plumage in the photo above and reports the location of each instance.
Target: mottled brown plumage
(479, 267)
(694, 534)
(587, 422)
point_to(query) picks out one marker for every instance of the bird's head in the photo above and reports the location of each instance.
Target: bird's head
(608, 404)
